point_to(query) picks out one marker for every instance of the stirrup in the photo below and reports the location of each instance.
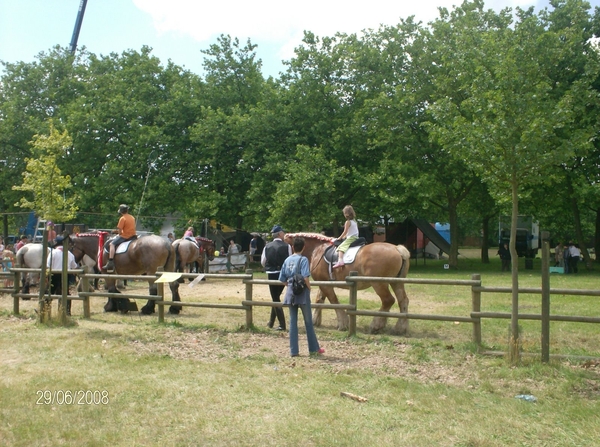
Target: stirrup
(338, 265)
(109, 267)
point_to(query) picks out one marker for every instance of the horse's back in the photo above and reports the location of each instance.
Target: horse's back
(146, 254)
(30, 256)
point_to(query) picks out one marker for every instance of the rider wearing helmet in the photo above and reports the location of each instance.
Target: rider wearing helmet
(125, 230)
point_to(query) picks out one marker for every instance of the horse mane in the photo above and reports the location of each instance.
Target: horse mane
(318, 236)
(96, 234)
(204, 239)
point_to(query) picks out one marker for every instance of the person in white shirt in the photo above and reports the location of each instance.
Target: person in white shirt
(55, 265)
(574, 255)
(349, 235)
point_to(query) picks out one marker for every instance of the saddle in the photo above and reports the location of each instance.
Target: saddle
(331, 254)
(121, 248)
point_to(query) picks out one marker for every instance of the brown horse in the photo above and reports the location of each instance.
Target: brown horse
(379, 259)
(143, 257)
(188, 252)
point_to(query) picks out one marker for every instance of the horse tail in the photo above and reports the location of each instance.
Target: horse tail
(403, 273)
(170, 262)
(21, 257)
(178, 266)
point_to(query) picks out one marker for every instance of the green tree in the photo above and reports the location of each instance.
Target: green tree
(512, 118)
(43, 181)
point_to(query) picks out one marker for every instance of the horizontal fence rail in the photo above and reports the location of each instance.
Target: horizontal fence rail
(351, 282)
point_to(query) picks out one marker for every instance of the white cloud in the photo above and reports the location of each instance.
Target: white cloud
(274, 20)
(281, 24)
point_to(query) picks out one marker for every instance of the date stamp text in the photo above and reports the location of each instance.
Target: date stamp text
(72, 397)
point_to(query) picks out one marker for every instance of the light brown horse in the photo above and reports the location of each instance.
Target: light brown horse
(143, 257)
(188, 253)
(379, 259)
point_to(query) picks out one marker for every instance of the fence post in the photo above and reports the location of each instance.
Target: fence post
(16, 288)
(249, 298)
(44, 303)
(160, 290)
(545, 297)
(352, 300)
(476, 306)
(86, 286)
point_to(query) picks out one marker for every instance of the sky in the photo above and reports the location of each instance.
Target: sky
(178, 30)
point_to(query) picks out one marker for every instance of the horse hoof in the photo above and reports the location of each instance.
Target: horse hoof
(147, 311)
(174, 310)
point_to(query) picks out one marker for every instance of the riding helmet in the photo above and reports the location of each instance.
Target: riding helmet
(123, 209)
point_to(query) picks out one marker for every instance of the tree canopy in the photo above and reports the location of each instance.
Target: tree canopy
(474, 114)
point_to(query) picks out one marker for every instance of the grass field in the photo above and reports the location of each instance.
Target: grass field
(202, 379)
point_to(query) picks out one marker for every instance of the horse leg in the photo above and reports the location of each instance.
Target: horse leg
(149, 307)
(387, 301)
(401, 327)
(26, 284)
(318, 312)
(342, 316)
(175, 293)
(116, 304)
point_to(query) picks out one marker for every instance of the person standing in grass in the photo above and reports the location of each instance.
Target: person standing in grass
(292, 265)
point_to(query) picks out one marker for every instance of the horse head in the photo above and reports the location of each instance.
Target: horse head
(207, 245)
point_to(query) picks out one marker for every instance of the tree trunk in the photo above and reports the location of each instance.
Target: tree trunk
(577, 225)
(514, 348)
(597, 235)
(485, 232)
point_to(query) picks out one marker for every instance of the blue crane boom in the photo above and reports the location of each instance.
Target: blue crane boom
(77, 28)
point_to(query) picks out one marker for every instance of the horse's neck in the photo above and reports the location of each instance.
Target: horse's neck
(89, 245)
(311, 245)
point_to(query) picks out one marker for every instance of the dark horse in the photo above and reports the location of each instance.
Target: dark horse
(143, 257)
(379, 259)
(188, 252)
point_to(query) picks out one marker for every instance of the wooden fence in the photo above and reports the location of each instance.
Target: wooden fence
(247, 304)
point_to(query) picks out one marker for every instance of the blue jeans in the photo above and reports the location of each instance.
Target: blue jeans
(313, 344)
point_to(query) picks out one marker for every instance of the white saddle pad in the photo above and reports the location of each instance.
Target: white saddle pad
(122, 248)
(350, 255)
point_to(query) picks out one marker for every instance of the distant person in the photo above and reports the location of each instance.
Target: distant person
(126, 231)
(171, 238)
(8, 260)
(574, 257)
(51, 233)
(273, 256)
(559, 255)
(54, 263)
(189, 234)
(233, 249)
(567, 257)
(504, 253)
(292, 265)
(23, 241)
(349, 235)
(253, 246)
